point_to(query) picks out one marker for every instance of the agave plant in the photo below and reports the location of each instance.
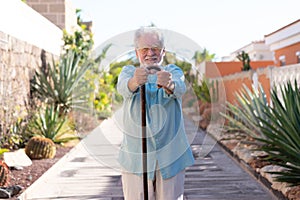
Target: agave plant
(282, 133)
(245, 115)
(276, 127)
(50, 124)
(62, 85)
(207, 91)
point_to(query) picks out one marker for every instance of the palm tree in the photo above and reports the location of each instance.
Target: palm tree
(201, 56)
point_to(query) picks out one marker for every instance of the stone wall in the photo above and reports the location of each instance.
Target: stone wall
(60, 12)
(27, 42)
(30, 26)
(18, 62)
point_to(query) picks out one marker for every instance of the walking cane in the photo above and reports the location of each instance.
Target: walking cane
(144, 133)
(144, 140)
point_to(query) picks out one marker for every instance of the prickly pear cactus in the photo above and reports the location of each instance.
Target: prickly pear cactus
(4, 174)
(40, 148)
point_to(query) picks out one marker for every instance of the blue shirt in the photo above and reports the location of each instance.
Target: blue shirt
(167, 144)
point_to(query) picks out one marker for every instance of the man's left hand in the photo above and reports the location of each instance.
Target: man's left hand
(164, 79)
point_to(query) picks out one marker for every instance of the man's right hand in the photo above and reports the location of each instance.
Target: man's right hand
(139, 78)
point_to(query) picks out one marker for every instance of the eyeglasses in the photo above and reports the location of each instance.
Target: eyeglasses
(156, 50)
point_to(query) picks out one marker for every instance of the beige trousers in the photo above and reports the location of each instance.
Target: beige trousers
(160, 189)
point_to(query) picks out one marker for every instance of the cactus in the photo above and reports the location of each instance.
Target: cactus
(244, 57)
(40, 148)
(214, 91)
(4, 174)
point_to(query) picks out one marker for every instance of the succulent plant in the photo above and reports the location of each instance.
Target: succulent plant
(4, 174)
(244, 57)
(49, 124)
(275, 128)
(40, 148)
(60, 86)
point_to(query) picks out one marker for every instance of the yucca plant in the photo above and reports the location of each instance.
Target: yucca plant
(282, 133)
(50, 124)
(62, 85)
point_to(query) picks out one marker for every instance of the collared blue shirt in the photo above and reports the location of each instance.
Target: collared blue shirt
(167, 144)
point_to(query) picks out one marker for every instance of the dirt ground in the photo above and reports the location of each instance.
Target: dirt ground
(28, 175)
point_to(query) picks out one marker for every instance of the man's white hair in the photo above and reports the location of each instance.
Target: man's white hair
(146, 30)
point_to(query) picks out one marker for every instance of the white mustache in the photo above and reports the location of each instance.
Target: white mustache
(151, 57)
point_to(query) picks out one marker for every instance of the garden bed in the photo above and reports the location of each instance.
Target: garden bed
(26, 176)
(253, 163)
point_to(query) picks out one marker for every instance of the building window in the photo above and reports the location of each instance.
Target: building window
(282, 60)
(298, 56)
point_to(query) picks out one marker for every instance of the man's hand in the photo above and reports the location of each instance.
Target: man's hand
(164, 79)
(139, 78)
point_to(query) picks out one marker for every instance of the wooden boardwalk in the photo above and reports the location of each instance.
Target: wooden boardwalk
(80, 175)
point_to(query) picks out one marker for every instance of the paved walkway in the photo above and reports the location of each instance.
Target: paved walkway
(84, 173)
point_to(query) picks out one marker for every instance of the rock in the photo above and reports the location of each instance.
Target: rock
(230, 144)
(18, 168)
(203, 124)
(14, 190)
(261, 154)
(17, 158)
(243, 153)
(294, 193)
(8, 192)
(4, 194)
(282, 187)
(29, 178)
(215, 130)
(196, 118)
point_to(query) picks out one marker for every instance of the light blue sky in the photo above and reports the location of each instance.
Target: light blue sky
(222, 26)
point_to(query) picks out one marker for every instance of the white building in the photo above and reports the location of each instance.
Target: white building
(257, 51)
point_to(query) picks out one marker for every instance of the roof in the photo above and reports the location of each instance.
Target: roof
(283, 28)
(253, 42)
